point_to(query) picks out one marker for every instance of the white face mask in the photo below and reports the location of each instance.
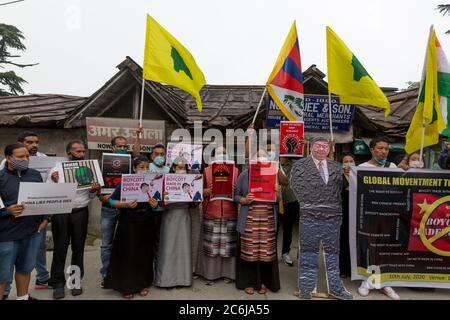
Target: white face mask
(142, 171)
(348, 165)
(271, 155)
(263, 159)
(416, 164)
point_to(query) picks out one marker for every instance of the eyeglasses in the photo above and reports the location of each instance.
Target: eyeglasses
(321, 146)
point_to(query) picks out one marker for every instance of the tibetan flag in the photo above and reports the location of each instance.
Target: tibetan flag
(348, 78)
(428, 117)
(168, 61)
(285, 84)
(444, 86)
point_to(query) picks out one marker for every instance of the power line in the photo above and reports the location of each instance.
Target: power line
(4, 4)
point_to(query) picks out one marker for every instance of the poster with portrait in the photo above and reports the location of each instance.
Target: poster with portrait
(191, 153)
(183, 188)
(113, 167)
(263, 180)
(291, 137)
(141, 187)
(85, 173)
(222, 180)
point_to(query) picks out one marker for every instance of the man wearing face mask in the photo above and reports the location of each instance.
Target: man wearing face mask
(70, 228)
(19, 237)
(379, 148)
(317, 184)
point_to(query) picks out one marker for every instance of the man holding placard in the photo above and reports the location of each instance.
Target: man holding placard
(71, 227)
(19, 238)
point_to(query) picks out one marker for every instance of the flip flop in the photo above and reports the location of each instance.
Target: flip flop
(249, 291)
(144, 292)
(263, 289)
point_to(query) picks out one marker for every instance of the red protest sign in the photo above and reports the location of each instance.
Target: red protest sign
(263, 180)
(291, 136)
(222, 180)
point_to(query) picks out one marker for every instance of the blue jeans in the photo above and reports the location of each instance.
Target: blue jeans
(20, 254)
(313, 232)
(108, 226)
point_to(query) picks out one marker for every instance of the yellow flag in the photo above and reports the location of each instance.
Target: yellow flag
(168, 61)
(348, 78)
(428, 117)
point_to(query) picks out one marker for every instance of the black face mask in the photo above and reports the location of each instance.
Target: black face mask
(73, 158)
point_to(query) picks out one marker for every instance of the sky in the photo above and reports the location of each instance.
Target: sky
(79, 43)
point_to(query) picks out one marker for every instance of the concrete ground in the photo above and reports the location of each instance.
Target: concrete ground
(219, 290)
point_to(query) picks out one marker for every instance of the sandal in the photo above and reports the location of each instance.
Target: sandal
(144, 292)
(128, 296)
(263, 289)
(249, 291)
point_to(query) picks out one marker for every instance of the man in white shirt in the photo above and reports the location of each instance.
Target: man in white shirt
(70, 228)
(379, 148)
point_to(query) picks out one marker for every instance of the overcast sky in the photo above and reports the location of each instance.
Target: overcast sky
(79, 43)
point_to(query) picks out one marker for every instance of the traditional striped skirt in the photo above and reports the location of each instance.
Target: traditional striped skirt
(258, 242)
(219, 237)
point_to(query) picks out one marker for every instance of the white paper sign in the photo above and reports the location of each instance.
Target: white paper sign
(141, 187)
(84, 173)
(46, 198)
(191, 153)
(183, 188)
(1, 204)
(45, 164)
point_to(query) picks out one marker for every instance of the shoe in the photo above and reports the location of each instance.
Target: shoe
(209, 283)
(59, 293)
(5, 297)
(287, 260)
(390, 293)
(249, 291)
(102, 284)
(305, 296)
(77, 292)
(40, 285)
(227, 280)
(342, 295)
(32, 298)
(364, 289)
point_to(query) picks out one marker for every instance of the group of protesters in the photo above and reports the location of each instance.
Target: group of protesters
(151, 243)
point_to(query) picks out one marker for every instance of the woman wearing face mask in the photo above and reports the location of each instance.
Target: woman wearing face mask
(174, 263)
(256, 257)
(131, 267)
(348, 161)
(218, 236)
(414, 162)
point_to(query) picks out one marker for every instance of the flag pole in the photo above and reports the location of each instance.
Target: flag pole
(259, 105)
(422, 143)
(142, 101)
(331, 120)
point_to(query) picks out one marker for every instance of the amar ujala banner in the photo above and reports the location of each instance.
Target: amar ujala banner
(291, 139)
(183, 188)
(263, 180)
(141, 187)
(113, 167)
(222, 180)
(85, 173)
(400, 227)
(191, 153)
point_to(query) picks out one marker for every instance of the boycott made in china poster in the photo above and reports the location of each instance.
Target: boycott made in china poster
(141, 187)
(183, 188)
(400, 227)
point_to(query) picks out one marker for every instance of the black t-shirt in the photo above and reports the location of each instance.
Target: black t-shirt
(11, 228)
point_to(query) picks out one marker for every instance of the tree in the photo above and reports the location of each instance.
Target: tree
(444, 9)
(412, 85)
(11, 39)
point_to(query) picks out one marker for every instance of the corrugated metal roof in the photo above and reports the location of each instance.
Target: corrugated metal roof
(41, 110)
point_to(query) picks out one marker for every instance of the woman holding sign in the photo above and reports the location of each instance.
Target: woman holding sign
(257, 265)
(218, 236)
(131, 267)
(174, 263)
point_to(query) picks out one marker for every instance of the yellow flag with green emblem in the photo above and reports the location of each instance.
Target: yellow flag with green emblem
(168, 61)
(348, 78)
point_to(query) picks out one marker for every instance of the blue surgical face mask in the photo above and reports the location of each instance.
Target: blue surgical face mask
(379, 161)
(121, 152)
(159, 161)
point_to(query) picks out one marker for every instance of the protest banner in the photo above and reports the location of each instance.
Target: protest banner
(400, 227)
(291, 139)
(46, 198)
(183, 188)
(85, 173)
(263, 180)
(141, 187)
(191, 153)
(100, 132)
(45, 164)
(113, 167)
(222, 180)
(316, 114)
